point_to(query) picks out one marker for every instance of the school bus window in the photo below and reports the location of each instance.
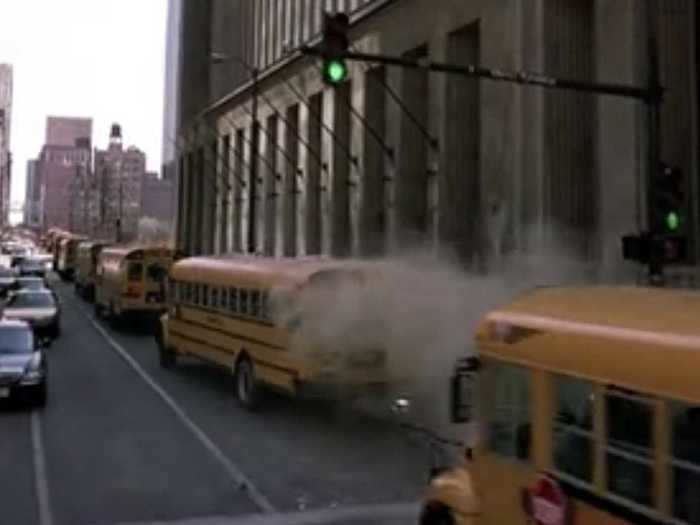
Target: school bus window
(573, 427)
(243, 301)
(506, 409)
(214, 297)
(629, 445)
(685, 462)
(135, 271)
(189, 292)
(255, 303)
(223, 299)
(233, 300)
(197, 294)
(265, 306)
(205, 295)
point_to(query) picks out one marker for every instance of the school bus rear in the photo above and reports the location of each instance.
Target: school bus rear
(224, 311)
(132, 279)
(588, 404)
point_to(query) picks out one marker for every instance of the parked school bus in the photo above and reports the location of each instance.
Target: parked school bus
(588, 410)
(131, 280)
(54, 238)
(67, 252)
(86, 264)
(224, 310)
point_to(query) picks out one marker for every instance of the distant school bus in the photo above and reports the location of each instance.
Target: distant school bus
(86, 265)
(224, 310)
(67, 256)
(131, 279)
(588, 410)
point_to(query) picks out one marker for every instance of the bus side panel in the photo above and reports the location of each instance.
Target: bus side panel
(501, 484)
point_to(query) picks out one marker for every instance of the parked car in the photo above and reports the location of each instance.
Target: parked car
(40, 308)
(22, 363)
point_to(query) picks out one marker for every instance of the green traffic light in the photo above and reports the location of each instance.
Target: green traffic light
(336, 71)
(673, 220)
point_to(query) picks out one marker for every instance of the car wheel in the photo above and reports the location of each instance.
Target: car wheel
(247, 387)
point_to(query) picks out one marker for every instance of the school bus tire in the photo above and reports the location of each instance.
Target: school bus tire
(248, 391)
(166, 356)
(436, 514)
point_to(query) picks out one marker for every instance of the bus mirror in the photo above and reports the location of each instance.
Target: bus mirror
(462, 390)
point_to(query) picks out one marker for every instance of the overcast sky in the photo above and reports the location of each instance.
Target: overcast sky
(84, 58)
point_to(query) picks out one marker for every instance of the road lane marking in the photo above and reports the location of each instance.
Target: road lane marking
(41, 482)
(238, 476)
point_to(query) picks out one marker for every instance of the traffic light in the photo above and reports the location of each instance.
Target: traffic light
(661, 249)
(668, 214)
(334, 47)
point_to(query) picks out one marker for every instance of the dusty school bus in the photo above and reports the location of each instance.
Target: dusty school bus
(87, 254)
(243, 314)
(588, 409)
(131, 280)
(66, 256)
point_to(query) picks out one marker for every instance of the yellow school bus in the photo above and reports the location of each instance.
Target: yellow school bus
(588, 411)
(85, 266)
(66, 256)
(244, 314)
(131, 279)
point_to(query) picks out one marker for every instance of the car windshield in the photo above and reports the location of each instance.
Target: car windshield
(16, 340)
(31, 300)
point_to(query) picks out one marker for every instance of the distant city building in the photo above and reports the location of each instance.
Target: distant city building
(65, 156)
(156, 197)
(5, 153)
(33, 195)
(62, 131)
(119, 174)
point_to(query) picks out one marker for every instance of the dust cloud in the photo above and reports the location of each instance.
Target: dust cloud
(422, 311)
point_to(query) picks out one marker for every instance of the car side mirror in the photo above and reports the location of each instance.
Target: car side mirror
(463, 390)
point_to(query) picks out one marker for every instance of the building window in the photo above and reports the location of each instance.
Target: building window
(629, 445)
(506, 409)
(573, 427)
(685, 462)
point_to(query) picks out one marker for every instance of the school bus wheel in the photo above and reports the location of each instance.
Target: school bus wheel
(436, 514)
(166, 356)
(247, 388)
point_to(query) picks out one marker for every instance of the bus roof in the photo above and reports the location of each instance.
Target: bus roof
(256, 271)
(123, 250)
(642, 338)
(632, 308)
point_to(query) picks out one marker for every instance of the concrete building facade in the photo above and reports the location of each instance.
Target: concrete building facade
(6, 84)
(156, 198)
(397, 157)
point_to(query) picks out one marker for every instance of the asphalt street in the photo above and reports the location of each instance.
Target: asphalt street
(124, 441)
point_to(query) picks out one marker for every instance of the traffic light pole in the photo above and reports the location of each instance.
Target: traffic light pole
(655, 267)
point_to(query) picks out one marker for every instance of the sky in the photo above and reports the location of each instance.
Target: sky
(103, 59)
